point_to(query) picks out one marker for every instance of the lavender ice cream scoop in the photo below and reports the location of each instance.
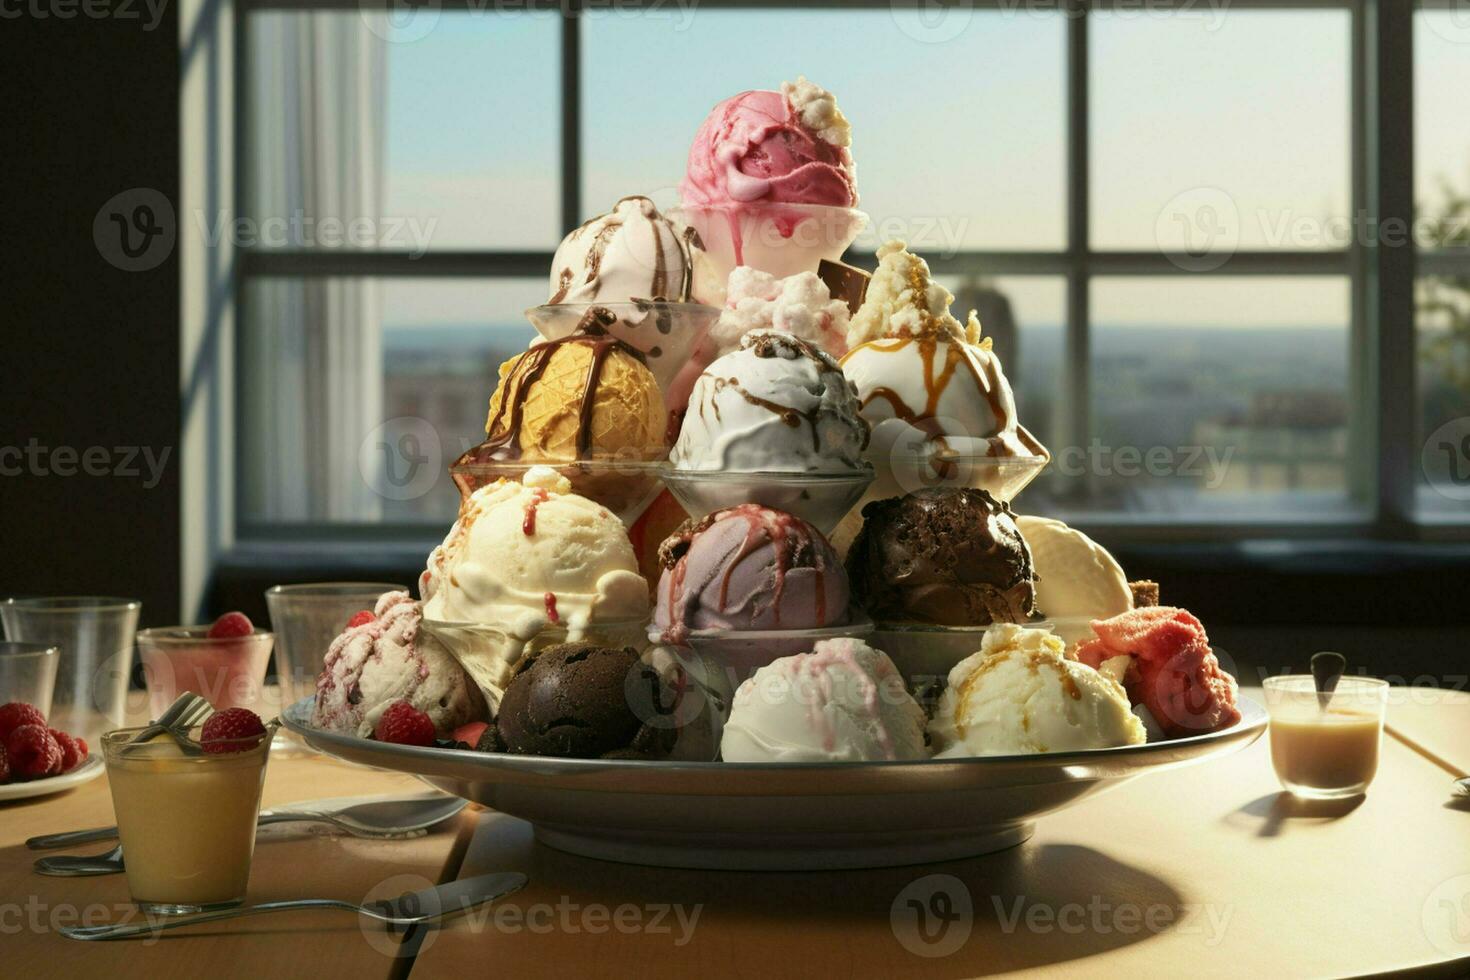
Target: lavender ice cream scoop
(389, 659)
(749, 568)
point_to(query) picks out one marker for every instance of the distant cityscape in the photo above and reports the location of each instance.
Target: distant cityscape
(1184, 419)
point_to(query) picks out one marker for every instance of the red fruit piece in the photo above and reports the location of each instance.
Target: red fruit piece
(82, 749)
(469, 733)
(4, 766)
(403, 724)
(361, 619)
(231, 730)
(33, 752)
(231, 625)
(71, 754)
(18, 713)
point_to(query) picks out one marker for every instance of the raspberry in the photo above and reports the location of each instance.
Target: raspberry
(18, 713)
(225, 731)
(4, 766)
(33, 752)
(82, 749)
(361, 619)
(403, 724)
(231, 625)
(71, 754)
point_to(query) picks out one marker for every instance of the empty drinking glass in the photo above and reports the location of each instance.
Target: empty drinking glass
(28, 674)
(95, 636)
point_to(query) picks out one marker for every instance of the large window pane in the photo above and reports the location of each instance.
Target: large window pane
(442, 132)
(1442, 185)
(358, 394)
(1219, 129)
(957, 115)
(1024, 317)
(1217, 399)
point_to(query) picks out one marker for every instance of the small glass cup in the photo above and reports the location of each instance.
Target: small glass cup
(28, 674)
(228, 672)
(95, 635)
(186, 819)
(306, 619)
(1325, 752)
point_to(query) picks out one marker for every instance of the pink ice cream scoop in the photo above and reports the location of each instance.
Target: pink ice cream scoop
(387, 659)
(786, 147)
(1172, 671)
(749, 568)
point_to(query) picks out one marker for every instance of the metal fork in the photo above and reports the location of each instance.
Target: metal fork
(188, 710)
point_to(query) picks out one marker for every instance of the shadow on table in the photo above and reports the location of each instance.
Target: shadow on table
(1268, 815)
(1029, 906)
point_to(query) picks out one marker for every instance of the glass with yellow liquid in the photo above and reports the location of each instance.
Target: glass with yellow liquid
(1325, 752)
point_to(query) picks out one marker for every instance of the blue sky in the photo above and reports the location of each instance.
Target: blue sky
(958, 129)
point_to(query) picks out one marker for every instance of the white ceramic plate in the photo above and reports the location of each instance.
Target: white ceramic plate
(84, 773)
(771, 816)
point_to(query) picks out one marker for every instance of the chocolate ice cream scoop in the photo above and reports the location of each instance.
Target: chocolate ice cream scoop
(584, 701)
(946, 555)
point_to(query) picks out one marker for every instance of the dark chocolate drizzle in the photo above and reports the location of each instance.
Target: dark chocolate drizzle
(503, 430)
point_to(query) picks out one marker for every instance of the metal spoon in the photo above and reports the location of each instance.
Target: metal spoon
(1462, 786)
(374, 819)
(415, 908)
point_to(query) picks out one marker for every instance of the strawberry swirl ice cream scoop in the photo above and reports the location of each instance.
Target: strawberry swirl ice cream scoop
(787, 147)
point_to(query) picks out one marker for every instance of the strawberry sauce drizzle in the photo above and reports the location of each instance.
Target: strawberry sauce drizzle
(539, 496)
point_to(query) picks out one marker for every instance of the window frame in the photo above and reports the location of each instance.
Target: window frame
(1382, 429)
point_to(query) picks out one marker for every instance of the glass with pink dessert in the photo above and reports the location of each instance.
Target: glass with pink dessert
(186, 811)
(771, 185)
(224, 663)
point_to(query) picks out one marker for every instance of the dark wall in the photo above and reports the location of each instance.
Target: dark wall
(90, 393)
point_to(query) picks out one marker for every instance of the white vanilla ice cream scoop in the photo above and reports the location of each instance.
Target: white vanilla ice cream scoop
(843, 702)
(390, 659)
(524, 556)
(1020, 694)
(800, 305)
(924, 381)
(631, 253)
(777, 403)
(1076, 578)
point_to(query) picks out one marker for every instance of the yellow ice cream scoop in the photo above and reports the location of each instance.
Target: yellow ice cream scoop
(586, 395)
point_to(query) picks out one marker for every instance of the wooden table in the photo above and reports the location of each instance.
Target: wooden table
(1204, 871)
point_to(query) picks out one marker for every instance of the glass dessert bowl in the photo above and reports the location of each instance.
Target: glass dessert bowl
(186, 817)
(228, 672)
(782, 239)
(821, 499)
(666, 334)
(624, 484)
